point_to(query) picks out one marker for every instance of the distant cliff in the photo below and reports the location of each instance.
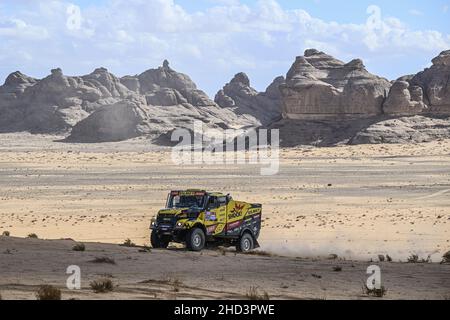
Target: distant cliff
(322, 101)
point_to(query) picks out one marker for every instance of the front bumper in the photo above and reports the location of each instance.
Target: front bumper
(167, 229)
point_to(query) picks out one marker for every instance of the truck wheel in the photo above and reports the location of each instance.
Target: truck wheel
(157, 242)
(245, 243)
(195, 239)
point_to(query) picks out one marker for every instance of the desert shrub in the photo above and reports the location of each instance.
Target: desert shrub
(446, 257)
(145, 249)
(172, 280)
(102, 285)
(388, 258)
(414, 258)
(6, 233)
(332, 256)
(176, 283)
(33, 236)
(337, 268)
(381, 257)
(79, 247)
(48, 292)
(379, 293)
(253, 294)
(128, 243)
(103, 260)
(222, 251)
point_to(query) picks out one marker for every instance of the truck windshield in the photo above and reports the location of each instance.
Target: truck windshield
(182, 201)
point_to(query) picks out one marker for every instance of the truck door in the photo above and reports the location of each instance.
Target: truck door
(235, 217)
(216, 215)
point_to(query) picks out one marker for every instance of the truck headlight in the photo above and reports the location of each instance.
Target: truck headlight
(180, 225)
(153, 224)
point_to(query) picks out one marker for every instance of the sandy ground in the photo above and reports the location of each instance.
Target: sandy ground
(354, 201)
(176, 274)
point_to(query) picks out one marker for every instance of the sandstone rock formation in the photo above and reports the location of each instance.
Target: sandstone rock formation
(162, 100)
(240, 97)
(404, 100)
(164, 86)
(322, 102)
(319, 86)
(120, 121)
(435, 84)
(404, 130)
(102, 107)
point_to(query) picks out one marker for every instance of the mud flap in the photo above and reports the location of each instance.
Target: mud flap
(256, 244)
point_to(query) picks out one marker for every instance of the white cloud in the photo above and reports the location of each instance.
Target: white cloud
(132, 35)
(17, 28)
(415, 12)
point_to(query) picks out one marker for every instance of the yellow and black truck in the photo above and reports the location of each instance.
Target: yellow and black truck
(199, 218)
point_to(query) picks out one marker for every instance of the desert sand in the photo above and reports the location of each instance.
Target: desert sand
(353, 201)
(177, 274)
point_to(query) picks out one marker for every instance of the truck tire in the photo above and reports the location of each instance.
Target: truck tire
(195, 239)
(246, 243)
(157, 242)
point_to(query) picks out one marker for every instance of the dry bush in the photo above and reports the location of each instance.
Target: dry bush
(253, 294)
(32, 236)
(176, 283)
(379, 293)
(103, 260)
(337, 268)
(128, 243)
(6, 233)
(102, 285)
(145, 249)
(446, 257)
(381, 258)
(388, 258)
(79, 247)
(48, 292)
(414, 258)
(172, 280)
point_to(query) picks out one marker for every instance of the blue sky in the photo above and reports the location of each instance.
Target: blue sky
(211, 40)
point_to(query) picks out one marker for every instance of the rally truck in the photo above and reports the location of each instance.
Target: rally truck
(198, 218)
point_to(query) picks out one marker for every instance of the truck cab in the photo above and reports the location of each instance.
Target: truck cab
(199, 218)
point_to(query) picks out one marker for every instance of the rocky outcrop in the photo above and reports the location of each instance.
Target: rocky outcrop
(161, 101)
(404, 100)
(413, 129)
(91, 106)
(120, 121)
(323, 101)
(52, 104)
(154, 83)
(240, 97)
(435, 84)
(319, 86)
